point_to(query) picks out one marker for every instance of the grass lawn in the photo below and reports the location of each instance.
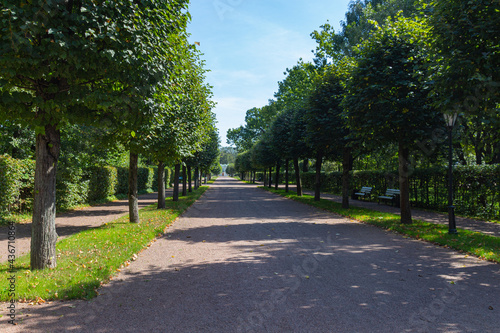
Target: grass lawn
(469, 242)
(90, 258)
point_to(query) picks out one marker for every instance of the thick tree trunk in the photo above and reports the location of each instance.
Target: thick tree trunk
(133, 199)
(305, 165)
(190, 188)
(43, 228)
(346, 163)
(297, 176)
(161, 185)
(287, 162)
(277, 180)
(404, 184)
(317, 183)
(184, 181)
(177, 171)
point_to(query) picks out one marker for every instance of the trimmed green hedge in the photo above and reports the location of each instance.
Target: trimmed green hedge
(74, 186)
(103, 182)
(16, 183)
(476, 188)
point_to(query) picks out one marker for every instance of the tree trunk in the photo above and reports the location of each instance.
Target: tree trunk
(317, 184)
(196, 178)
(346, 162)
(161, 185)
(287, 162)
(265, 178)
(43, 228)
(404, 184)
(255, 176)
(133, 200)
(277, 180)
(184, 180)
(177, 171)
(297, 176)
(206, 179)
(305, 165)
(270, 177)
(190, 188)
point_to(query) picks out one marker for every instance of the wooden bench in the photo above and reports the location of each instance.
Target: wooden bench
(390, 194)
(365, 192)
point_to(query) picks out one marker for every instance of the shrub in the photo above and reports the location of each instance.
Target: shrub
(145, 179)
(122, 186)
(103, 181)
(72, 187)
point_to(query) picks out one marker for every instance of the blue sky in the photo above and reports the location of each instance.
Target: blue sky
(248, 44)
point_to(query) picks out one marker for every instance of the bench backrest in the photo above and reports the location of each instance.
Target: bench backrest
(392, 192)
(366, 189)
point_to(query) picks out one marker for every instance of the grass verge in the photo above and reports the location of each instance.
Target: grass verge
(470, 242)
(90, 258)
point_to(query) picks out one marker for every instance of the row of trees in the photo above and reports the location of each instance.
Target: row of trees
(124, 70)
(379, 88)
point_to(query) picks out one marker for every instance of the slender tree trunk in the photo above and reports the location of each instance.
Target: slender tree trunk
(196, 178)
(297, 176)
(133, 198)
(317, 184)
(265, 178)
(346, 162)
(277, 180)
(206, 179)
(161, 185)
(305, 165)
(270, 177)
(177, 171)
(287, 162)
(255, 176)
(43, 228)
(184, 181)
(404, 184)
(190, 188)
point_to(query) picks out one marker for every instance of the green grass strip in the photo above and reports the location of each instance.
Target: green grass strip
(466, 241)
(90, 258)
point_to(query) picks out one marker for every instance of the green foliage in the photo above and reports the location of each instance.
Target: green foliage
(72, 187)
(145, 178)
(103, 181)
(122, 186)
(466, 36)
(386, 98)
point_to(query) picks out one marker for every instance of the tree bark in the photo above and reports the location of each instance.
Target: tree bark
(287, 162)
(265, 178)
(277, 180)
(305, 165)
(43, 228)
(270, 177)
(346, 163)
(161, 185)
(184, 181)
(317, 184)
(404, 184)
(177, 170)
(190, 188)
(133, 199)
(196, 178)
(297, 176)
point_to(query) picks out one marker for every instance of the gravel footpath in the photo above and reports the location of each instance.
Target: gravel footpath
(73, 222)
(245, 260)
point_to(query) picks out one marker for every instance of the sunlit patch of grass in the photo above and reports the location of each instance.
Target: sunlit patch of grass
(90, 258)
(467, 241)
